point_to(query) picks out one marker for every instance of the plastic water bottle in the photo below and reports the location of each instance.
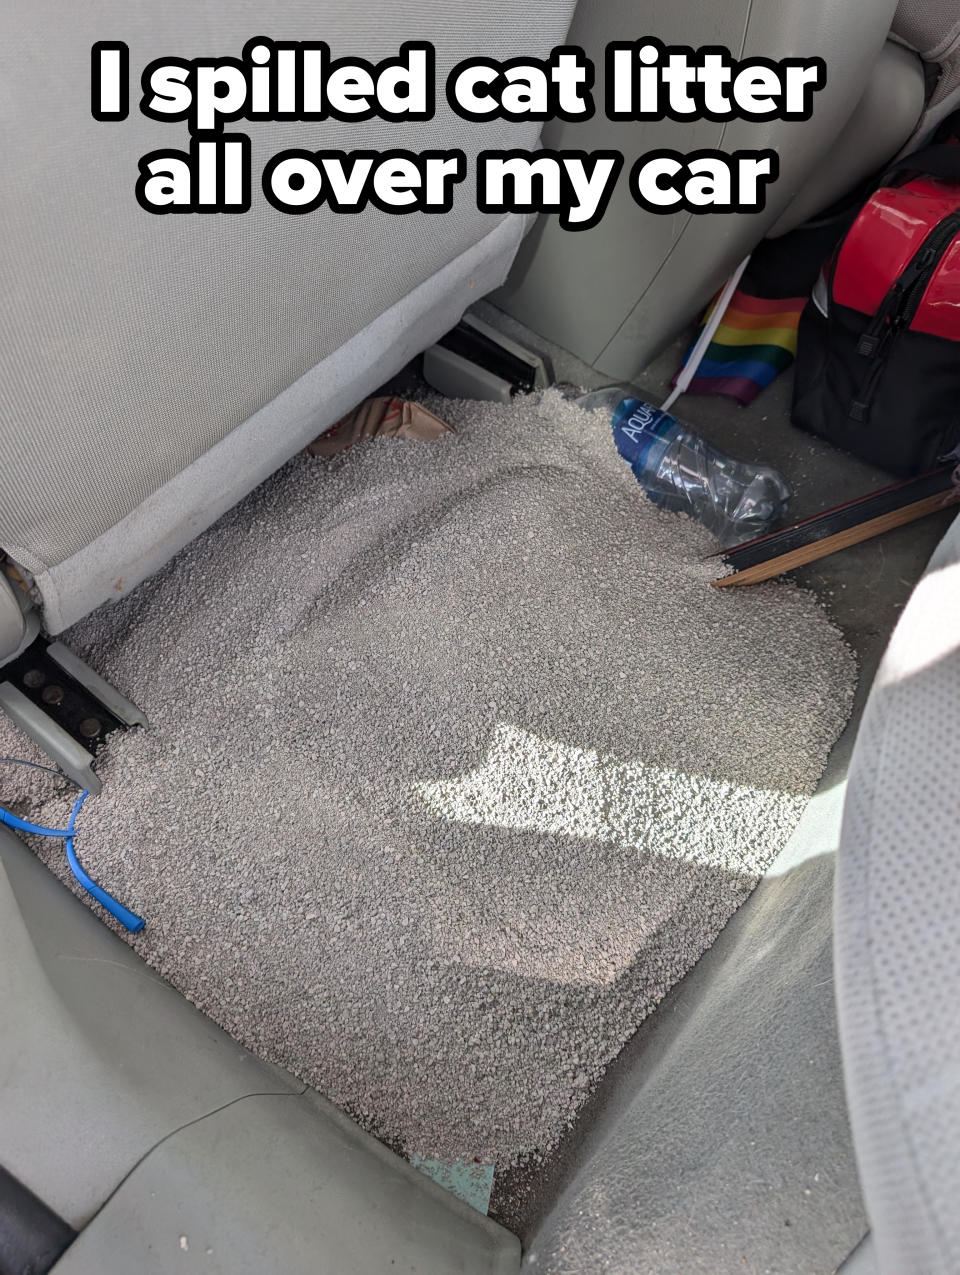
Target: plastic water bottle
(681, 471)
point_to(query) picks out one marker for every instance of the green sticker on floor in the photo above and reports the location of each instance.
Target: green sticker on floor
(468, 1180)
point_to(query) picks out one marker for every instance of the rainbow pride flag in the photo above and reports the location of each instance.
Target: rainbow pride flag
(757, 337)
(755, 342)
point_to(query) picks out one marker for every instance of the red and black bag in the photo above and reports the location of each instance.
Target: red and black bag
(878, 361)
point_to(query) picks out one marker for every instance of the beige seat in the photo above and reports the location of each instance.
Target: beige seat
(156, 368)
(616, 294)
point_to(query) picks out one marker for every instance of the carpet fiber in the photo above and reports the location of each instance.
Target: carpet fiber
(456, 764)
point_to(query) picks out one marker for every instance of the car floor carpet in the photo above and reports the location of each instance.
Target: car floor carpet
(456, 765)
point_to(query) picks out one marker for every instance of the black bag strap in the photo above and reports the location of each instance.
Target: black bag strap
(940, 158)
(941, 161)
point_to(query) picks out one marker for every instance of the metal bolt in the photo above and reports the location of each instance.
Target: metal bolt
(89, 728)
(52, 694)
(33, 678)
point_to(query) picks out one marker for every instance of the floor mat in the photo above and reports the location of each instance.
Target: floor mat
(456, 765)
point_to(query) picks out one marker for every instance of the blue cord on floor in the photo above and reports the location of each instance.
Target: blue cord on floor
(37, 829)
(129, 920)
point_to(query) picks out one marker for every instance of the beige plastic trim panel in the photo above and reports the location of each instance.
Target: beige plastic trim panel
(121, 1103)
(13, 625)
(99, 1058)
(19, 622)
(284, 1184)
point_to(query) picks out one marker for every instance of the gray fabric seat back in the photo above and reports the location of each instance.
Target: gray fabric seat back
(131, 344)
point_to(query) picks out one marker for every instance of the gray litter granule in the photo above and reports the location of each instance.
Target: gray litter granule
(456, 765)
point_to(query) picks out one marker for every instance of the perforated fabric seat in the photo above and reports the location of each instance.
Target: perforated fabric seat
(156, 368)
(898, 934)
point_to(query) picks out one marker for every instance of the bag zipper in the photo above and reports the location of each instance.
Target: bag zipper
(898, 309)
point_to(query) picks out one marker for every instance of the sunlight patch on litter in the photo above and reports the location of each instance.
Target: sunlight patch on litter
(560, 790)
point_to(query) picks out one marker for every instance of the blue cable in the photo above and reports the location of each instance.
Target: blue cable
(37, 829)
(21, 824)
(129, 920)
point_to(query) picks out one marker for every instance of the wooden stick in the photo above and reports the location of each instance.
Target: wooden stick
(841, 540)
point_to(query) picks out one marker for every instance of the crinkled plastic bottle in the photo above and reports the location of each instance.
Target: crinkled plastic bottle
(681, 471)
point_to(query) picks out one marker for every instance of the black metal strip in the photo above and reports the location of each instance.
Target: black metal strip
(84, 717)
(874, 505)
(481, 349)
